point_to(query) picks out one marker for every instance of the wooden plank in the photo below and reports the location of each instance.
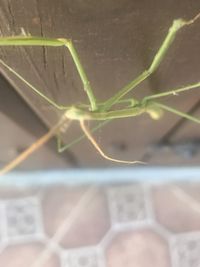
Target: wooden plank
(19, 128)
(184, 143)
(116, 41)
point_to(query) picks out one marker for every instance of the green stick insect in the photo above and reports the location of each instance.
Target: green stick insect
(104, 111)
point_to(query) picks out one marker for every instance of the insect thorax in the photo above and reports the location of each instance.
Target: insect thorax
(75, 113)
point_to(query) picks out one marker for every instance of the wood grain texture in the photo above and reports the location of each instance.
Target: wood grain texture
(19, 128)
(116, 40)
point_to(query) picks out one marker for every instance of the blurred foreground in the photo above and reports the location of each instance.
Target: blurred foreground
(112, 225)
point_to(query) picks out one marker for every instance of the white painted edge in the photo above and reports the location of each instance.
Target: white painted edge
(101, 176)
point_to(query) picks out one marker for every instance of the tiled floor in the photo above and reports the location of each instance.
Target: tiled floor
(101, 226)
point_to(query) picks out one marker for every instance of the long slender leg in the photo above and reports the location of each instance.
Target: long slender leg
(37, 91)
(59, 143)
(38, 41)
(61, 147)
(36, 145)
(176, 26)
(82, 74)
(172, 92)
(177, 112)
(25, 154)
(92, 140)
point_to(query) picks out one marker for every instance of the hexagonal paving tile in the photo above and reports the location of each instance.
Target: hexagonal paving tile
(23, 220)
(82, 222)
(13, 192)
(2, 224)
(186, 251)
(87, 257)
(127, 203)
(177, 207)
(142, 248)
(26, 255)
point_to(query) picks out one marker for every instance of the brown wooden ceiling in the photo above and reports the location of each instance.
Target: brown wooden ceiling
(116, 40)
